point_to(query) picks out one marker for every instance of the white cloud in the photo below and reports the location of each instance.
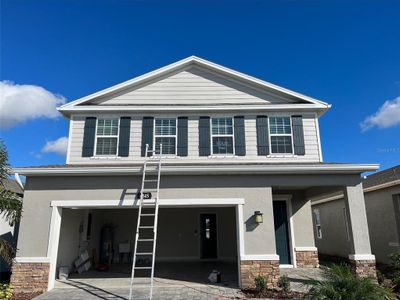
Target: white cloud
(59, 146)
(388, 115)
(20, 103)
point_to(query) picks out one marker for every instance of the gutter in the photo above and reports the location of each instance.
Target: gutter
(203, 169)
(18, 180)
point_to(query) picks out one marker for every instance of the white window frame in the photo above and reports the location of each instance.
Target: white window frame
(318, 233)
(346, 224)
(161, 136)
(106, 136)
(222, 135)
(280, 134)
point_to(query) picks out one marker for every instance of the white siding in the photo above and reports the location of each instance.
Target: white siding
(193, 86)
(310, 139)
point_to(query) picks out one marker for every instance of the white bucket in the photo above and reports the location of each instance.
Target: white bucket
(63, 273)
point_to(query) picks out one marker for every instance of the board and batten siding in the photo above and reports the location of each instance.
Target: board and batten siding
(193, 86)
(312, 151)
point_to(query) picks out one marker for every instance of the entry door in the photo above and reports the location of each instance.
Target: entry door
(208, 235)
(281, 232)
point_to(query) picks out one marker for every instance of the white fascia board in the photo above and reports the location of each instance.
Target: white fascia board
(204, 169)
(32, 259)
(182, 64)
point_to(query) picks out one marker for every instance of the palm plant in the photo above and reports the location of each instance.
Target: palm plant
(339, 283)
(10, 205)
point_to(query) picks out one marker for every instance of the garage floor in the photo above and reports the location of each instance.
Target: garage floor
(186, 280)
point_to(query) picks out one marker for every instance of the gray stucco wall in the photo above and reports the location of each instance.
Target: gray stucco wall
(382, 227)
(382, 222)
(334, 238)
(255, 189)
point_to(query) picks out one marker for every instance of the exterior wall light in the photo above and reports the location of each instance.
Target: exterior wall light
(258, 216)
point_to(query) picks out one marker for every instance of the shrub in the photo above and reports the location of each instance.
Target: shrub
(340, 283)
(260, 283)
(5, 291)
(284, 283)
(395, 258)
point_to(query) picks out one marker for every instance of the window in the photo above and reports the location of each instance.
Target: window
(222, 135)
(107, 136)
(317, 221)
(346, 224)
(165, 134)
(280, 129)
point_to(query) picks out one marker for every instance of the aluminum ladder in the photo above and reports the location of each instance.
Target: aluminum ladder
(146, 229)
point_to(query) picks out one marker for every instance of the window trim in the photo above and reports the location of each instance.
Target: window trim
(318, 233)
(271, 154)
(222, 135)
(96, 136)
(175, 136)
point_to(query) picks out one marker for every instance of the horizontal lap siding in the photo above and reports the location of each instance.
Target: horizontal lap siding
(309, 127)
(190, 86)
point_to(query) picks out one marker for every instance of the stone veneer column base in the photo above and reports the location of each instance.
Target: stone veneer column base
(307, 259)
(29, 277)
(250, 269)
(364, 268)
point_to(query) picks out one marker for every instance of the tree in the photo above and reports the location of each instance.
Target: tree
(10, 204)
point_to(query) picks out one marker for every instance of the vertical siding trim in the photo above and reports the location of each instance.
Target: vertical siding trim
(298, 135)
(124, 136)
(240, 138)
(262, 135)
(204, 136)
(182, 148)
(147, 134)
(89, 134)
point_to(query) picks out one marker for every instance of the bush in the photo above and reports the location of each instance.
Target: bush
(5, 291)
(260, 283)
(284, 283)
(340, 283)
(395, 258)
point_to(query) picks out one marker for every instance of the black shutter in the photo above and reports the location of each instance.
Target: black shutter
(298, 135)
(240, 142)
(262, 135)
(147, 133)
(89, 134)
(182, 136)
(204, 136)
(124, 136)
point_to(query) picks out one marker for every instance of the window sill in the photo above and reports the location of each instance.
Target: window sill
(281, 156)
(105, 157)
(222, 156)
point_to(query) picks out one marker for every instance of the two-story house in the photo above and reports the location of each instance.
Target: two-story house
(241, 160)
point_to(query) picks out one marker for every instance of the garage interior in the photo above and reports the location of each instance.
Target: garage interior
(191, 243)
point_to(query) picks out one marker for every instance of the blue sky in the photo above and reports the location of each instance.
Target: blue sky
(343, 52)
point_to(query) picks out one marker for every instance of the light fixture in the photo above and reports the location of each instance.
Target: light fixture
(258, 215)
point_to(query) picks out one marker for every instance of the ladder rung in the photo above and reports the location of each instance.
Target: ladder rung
(147, 215)
(146, 227)
(145, 253)
(150, 180)
(145, 240)
(143, 268)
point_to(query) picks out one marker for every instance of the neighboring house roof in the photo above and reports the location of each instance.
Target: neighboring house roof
(201, 167)
(383, 177)
(12, 186)
(88, 103)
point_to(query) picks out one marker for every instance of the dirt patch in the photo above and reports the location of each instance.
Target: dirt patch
(25, 296)
(274, 294)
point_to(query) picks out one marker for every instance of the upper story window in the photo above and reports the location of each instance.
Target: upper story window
(280, 129)
(107, 136)
(222, 135)
(165, 134)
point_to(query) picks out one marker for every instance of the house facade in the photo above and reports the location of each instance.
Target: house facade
(241, 160)
(382, 196)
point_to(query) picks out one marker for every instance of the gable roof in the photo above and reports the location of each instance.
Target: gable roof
(192, 61)
(12, 186)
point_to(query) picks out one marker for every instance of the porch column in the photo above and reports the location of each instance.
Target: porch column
(362, 260)
(259, 257)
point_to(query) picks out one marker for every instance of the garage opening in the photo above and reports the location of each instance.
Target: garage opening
(191, 243)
